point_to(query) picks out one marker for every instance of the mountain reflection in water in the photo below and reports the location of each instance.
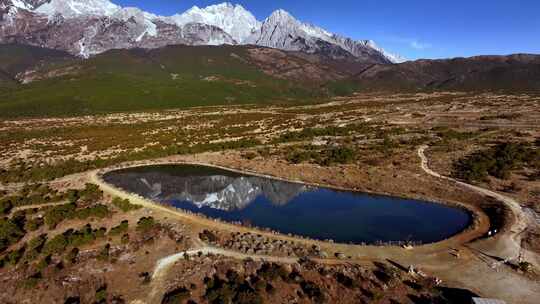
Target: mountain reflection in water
(227, 191)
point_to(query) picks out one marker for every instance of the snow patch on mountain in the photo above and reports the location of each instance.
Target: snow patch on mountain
(76, 8)
(392, 57)
(21, 4)
(233, 19)
(141, 17)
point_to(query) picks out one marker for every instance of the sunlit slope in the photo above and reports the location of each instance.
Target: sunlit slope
(171, 77)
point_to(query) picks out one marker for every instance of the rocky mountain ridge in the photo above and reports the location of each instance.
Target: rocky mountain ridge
(88, 27)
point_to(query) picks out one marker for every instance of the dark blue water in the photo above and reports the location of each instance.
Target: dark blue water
(317, 213)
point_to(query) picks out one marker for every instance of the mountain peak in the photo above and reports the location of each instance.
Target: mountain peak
(281, 14)
(233, 19)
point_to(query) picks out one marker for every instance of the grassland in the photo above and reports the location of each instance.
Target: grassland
(366, 142)
(135, 80)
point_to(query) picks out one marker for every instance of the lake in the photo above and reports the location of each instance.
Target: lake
(314, 212)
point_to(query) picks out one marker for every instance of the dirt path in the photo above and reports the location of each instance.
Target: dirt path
(28, 207)
(483, 272)
(512, 240)
(163, 265)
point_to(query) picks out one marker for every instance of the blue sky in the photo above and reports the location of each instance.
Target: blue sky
(412, 28)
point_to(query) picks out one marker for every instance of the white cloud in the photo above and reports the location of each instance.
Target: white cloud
(414, 43)
(419, 45)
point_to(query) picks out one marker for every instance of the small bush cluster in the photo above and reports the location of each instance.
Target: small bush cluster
(234, 289)
(56, 215)
(328, 157)
(11, 231)
(310, 133)
(178, 295)
(498, 161)
(146, 224)
(120, 229)
(124, 205)
(73, 238)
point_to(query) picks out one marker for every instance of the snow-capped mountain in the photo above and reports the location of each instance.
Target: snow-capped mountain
(233, 19)
(88, 27)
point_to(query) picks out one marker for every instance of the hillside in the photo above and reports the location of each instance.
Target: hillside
(15, 59)
(519, 72)
(170, 77)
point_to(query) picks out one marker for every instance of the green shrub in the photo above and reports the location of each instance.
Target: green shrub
(15, 256)
(56, 215)
(56, 245)
(122, 228)
(124, 205)
(98, 211)
(104, 253)
(44, 263)
(84, 236)
(10, 232)
(101, 294)
(35, 246)
(33, 224)
(146, 224)
(498, 161)
(233, 290)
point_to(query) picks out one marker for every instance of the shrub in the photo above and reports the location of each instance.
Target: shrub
(104, 253)
(10, 232)
(56, 245)
(44, 263)
(56, 215)
(98, 211)
(146, 224)
(313, 292)
(272, 271)
(124, 205)
(249, 155)
(35, 246)
(91, 193)
(5, 206)
(72, 255)
(15, 256)
(498, 161)
(208, 236)
(101, 294)
(33, 224)
(525, 266)
(122, 228)
(84, 236)
(176, 296)
(233, 290)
